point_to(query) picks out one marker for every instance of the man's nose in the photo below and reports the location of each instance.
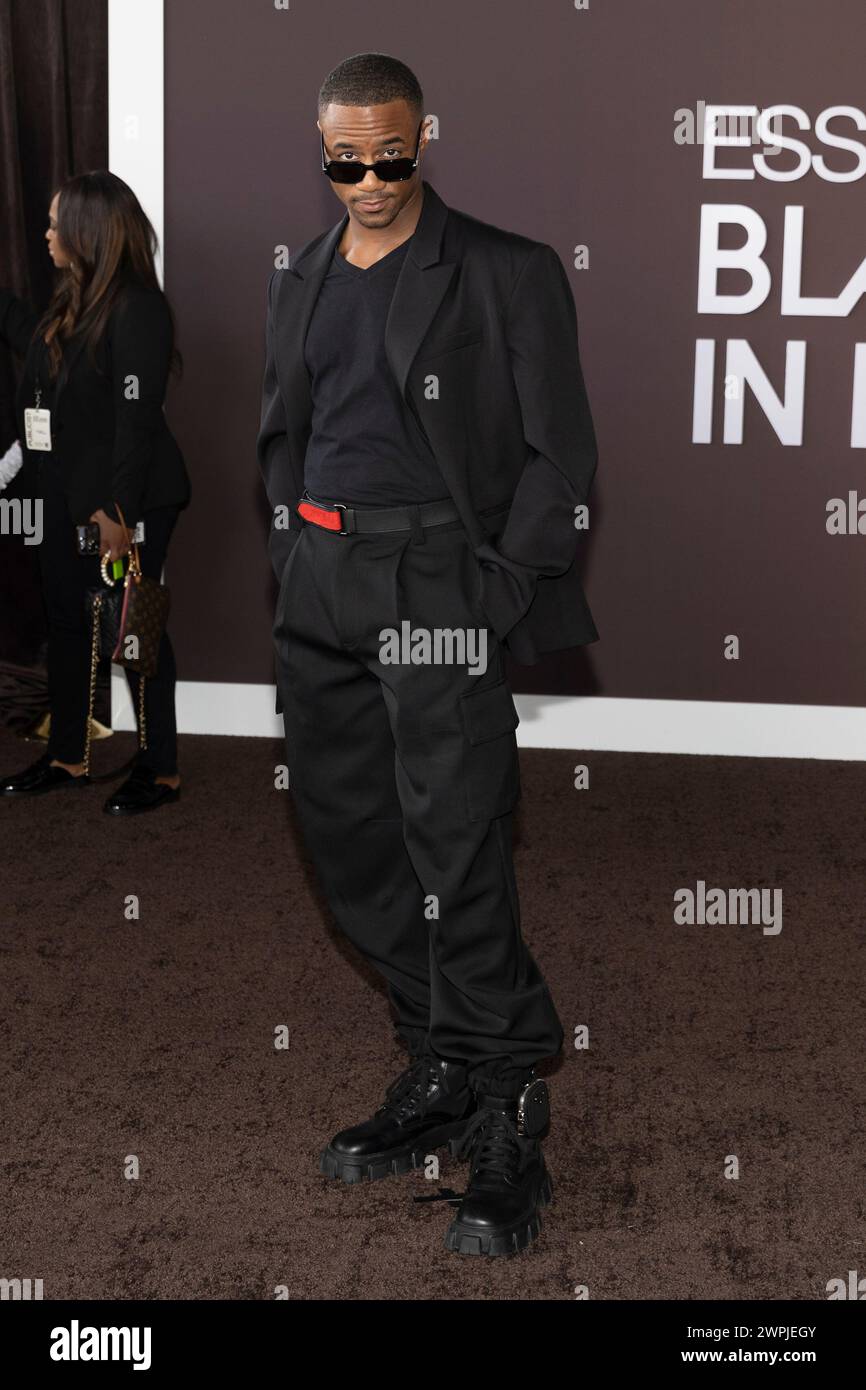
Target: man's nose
(370, 184)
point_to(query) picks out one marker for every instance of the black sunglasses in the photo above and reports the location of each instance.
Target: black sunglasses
(387, 170)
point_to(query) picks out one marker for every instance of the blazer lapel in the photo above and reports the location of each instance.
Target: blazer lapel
(300, 292)
(419, 291)
(420, 288)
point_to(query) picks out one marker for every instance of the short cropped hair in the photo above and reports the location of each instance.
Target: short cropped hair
(371, 79)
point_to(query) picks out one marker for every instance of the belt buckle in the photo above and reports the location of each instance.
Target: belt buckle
(341, 507)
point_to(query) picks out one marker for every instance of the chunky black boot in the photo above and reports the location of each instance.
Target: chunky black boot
(428, 1106)
(508, 1180)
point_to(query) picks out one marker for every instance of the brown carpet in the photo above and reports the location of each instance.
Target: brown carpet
(154, 1038)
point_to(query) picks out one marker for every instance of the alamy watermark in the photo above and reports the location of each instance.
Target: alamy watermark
(735, 906)
(77, 1343)
(20, 1290)
(22, 516)
(438, 646)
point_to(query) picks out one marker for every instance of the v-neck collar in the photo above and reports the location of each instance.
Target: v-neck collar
(367, 270)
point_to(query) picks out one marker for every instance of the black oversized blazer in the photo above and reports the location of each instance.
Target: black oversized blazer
(109, 435)
(482, 339)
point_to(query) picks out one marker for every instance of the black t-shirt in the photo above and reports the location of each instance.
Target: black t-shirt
(366, 447)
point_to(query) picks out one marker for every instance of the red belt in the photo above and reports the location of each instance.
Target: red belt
(347, 521)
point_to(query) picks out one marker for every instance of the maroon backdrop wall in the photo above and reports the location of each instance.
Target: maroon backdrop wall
(559, 123)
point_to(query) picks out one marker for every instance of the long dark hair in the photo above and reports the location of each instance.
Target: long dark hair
(110, 243)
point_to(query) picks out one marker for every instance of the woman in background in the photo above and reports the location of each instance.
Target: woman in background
(98, 361)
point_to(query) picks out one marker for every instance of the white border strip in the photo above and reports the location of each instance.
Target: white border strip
(561, 721)
(136, 154)
(136, 104)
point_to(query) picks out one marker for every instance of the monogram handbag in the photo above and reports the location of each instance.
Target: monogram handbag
(128, 621)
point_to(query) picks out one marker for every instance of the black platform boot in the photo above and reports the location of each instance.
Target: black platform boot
(508, 1180)
(428, 1106)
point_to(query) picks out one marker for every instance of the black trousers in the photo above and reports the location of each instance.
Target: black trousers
(66, 577)
(404, 777)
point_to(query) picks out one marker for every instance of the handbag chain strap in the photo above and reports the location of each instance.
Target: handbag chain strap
(94, 663)
(135, 572)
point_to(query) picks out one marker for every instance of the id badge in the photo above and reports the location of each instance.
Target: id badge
(37, 428)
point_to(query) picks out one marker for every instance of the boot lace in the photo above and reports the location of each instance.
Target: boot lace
(492, 1143)
(407, 1095)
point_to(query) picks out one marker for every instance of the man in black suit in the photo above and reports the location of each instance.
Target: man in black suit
(425, 442)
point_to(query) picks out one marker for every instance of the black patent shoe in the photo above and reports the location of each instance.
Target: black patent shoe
(41, 777)
(140, 792)
(508, 1180)
(426, 1108)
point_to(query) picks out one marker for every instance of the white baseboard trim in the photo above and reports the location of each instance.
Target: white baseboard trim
(563, 721)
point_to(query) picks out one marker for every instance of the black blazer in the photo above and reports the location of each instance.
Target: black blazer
(111, 441)
(490, 315)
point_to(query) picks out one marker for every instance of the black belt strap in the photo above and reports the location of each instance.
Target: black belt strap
(367, 519)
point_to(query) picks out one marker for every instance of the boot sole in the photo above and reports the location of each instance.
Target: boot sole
(391, 1162)
(502, 1240)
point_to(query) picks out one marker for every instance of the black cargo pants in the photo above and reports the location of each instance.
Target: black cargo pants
(404, 774)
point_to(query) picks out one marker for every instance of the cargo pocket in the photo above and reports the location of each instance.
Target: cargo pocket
(492, 772)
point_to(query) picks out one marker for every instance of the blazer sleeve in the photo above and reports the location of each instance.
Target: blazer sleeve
(141, 346)
(18, 322)
(540, 538)
(272, 450)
